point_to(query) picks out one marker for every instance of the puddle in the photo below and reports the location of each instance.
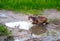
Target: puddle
(38, 30)
(47, 33)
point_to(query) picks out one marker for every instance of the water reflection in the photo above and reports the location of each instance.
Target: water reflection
(38, 29)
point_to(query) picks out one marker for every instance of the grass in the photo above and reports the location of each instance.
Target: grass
(3, 30)
(19, 5)
(34, 12)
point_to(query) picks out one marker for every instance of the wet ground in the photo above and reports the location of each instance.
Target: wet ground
(50, 32)
(38, 29)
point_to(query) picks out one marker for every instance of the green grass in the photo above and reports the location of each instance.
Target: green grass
(29, 12)
(3, 30)
(18, 5)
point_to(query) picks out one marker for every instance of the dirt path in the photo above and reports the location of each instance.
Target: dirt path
(51, 14)
(9, 16)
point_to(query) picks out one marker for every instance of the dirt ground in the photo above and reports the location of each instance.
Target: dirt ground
(9, 16)
(52, 28)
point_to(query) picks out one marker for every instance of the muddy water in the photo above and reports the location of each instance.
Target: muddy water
(50, 32)
(38, 30)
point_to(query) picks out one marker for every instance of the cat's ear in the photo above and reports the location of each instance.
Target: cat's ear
(29, 17)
